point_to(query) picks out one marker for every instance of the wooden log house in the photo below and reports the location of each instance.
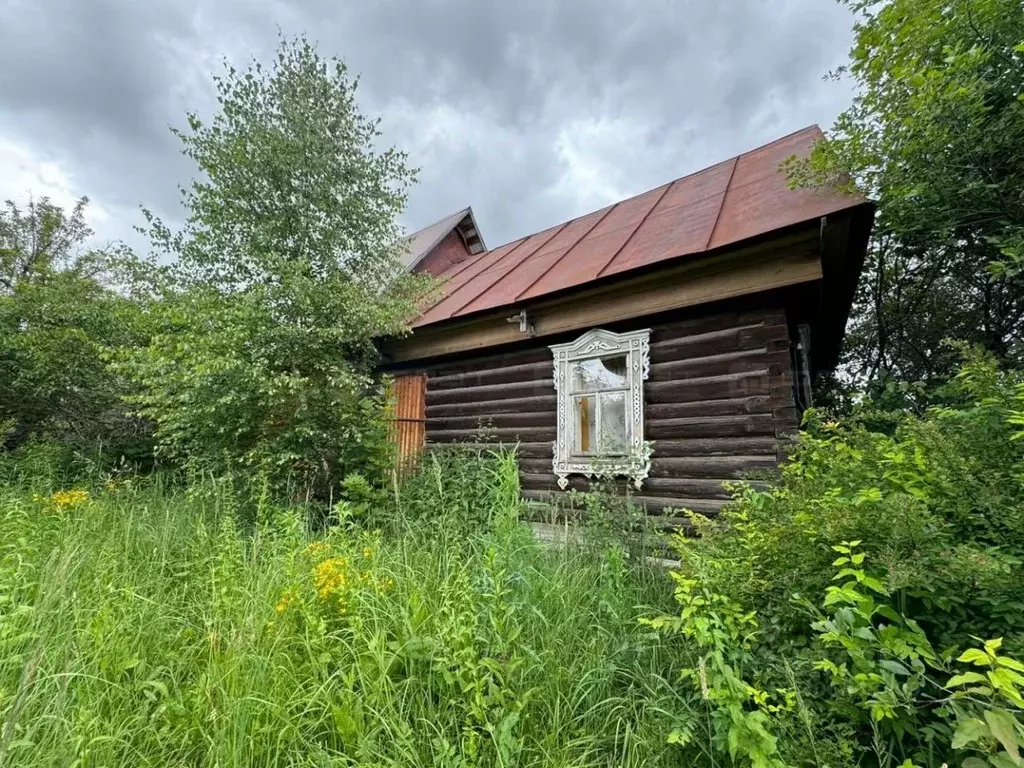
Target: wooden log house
(669, 339)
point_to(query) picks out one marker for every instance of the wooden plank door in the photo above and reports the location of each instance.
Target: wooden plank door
(409, 397)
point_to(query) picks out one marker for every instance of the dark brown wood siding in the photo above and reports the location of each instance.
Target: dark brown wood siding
(718, 398)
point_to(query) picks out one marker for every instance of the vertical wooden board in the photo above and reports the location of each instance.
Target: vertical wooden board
(408, 395)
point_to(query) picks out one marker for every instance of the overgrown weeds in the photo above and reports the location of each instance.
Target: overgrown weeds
(870, 609)
(141, 624)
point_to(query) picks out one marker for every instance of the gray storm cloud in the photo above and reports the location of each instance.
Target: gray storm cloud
(532, 112)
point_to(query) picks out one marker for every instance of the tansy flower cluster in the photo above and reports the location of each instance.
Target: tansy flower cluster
(338, 578)
(63, 500)
(330, 578)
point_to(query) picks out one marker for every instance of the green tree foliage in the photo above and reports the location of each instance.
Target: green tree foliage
(285, 271)
(57, 321)
(839, 612)
(936, 136)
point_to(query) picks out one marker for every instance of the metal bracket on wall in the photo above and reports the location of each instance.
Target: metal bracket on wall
(525, 323)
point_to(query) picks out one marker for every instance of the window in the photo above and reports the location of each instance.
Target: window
(599, 380)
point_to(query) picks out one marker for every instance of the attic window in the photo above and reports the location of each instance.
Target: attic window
(599, 381)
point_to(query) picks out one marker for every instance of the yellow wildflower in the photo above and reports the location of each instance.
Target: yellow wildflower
(330, 577)
(317, 548)
(63, 500)
(286, 600)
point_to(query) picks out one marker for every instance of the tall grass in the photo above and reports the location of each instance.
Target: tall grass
(141, 626)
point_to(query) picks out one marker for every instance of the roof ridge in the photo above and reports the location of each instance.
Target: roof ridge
(463, 212)
(670, 182)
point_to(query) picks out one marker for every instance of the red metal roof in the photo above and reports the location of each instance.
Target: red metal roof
(721, 205)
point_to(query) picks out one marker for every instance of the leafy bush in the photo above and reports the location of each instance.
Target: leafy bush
(262, 357)
(926, 528)
(57, 322)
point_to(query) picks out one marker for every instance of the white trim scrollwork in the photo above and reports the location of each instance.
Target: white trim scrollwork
(595, 344)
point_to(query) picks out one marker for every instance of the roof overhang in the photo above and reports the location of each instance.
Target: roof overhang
(825, 255)
(791, 258)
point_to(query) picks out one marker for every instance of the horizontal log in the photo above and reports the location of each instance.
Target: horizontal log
(467, 364)
(734, 407)
(711, 426)
(716, 446)
(654, 505)
(700, 325)
(658, 504)
(535, 466)
(496, 375)
(731, 385)
(756, 360)
(649, 533)
(709, 388)
(490, 392)
(663, 368)
(727, 340)
(663, 486)
(547, 481)
(536, 404)
(497, 420)
(716, 467)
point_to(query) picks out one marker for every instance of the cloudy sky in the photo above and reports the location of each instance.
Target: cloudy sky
(531, 111)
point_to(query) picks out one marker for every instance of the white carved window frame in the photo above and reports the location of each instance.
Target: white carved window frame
(594, 344)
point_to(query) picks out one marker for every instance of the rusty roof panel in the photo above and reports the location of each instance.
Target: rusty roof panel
(763, 162)
(598, 247)
(759, 199)
(582, 265)
(457, 277)
(628, 213)
(527, 271)
(696, 187)
(758, 208)
(667, 235)
(461, 292)
(721, 205)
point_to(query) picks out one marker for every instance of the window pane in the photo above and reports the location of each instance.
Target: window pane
(599, 373)
(585, 424)
(614, 438)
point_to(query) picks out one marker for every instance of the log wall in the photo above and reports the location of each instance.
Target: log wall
(718, 399)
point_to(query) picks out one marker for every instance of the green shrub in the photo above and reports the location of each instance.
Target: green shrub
(58, 321)
(794, 667)
(266, 311)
